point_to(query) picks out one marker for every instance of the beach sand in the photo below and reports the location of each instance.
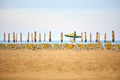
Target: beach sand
(59, 65)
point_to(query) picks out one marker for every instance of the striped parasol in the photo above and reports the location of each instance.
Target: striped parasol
(21, 37)
(39, 37)
(28, 37)
(105, 38)
(44, 37)
(35, 36)
(8, 37)
(4, 37)
(50, 36)
(90, 37)
(61, 36)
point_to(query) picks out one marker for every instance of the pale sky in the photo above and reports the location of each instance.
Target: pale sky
(58, 16)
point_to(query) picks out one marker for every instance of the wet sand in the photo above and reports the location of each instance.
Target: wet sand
(59, 65)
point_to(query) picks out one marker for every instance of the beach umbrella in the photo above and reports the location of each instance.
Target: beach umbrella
(8, 37)
(44, 37)
(50, 36)
(69, 35)
(39, 37)
(113, 36)
(16, 37)
(73, 35)
(35, 36)
(4, 37)
(90, 37)
(61, 36)
(32, 37)
(97, 36)
(85, 37)
(20, 37)
(105, 38)
(28, 37)
(13, 36)
(81, 37)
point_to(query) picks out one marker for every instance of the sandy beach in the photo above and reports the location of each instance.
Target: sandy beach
(59, 65)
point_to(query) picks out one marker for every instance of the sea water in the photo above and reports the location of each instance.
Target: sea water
(56, 42)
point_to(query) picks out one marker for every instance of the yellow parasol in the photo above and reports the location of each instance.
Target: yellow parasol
(73, 35)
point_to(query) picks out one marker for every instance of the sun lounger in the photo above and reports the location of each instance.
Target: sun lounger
(91, 46)
(117, 47)
(11, 46)
(29, 46)
(56, 46)
(40, 46)
(23, 46)
(16, 46)
(70, 46)
(79, 46)
(65, 46)
(45, 46)
(35, 46)
(2, 46)
(108, 46)
(99, 45)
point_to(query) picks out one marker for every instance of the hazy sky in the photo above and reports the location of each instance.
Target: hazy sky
(60, 16)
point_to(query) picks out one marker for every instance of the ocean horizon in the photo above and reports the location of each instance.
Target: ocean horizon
(58, 42)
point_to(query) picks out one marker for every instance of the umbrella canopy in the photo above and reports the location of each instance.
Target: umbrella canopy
(72, 35)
